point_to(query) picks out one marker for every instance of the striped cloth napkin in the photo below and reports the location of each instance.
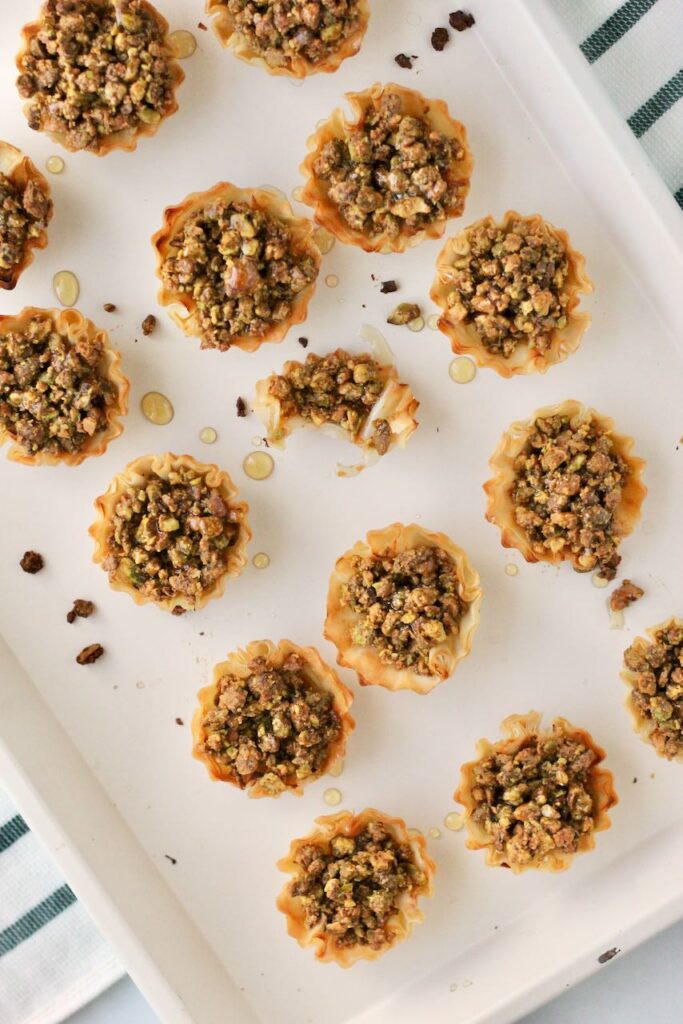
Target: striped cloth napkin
(52, 959)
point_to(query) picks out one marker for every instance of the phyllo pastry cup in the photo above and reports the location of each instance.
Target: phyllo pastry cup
(491, 311)
(33, 196)
(104, 113)
(274, 718)
(171, 531)
(411, 211)
(536, 798)
(417, 644)
(250, 303)
(317, 46)
(62, 392)
(321, 915)
(591, 537)
(653, 671)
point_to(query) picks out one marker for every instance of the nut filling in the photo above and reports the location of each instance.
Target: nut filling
(240, 266)
(351, 886)
(407, 604)
(170, 538)
(657, 692)
(509, 284)
(24, 215)
(53, 397)
(273, 726)
(390, 174)
(96, 68)
(568, 485)
(536, 800)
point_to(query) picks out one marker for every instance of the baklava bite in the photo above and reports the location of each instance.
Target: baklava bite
(536, 798)
(654, 673)
(274, 719)
(393, 175)
(170, 531)
(355, 885)
(97, 74)
(566, 488)
(403, 607)
(291, 37)
(62, 393)
(237, 267)
(25, 212)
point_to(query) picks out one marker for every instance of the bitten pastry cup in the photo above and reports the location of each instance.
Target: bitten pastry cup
(315, 671)
(75, 327)
(326, 948)
(516, 730)
(126, 140)
(464, 337)
(182, 307)
(644, 726)
(365, 661)
(137, 473)
(500, 508)
(20, 171)
(296, 67)
(415, 104)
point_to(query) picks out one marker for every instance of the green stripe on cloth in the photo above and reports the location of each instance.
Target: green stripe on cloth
(678, 196)
(12, 830)
(614, 28)
(657, 105)
(36, 918)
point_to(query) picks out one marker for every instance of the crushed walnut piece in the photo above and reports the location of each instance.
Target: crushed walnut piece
(404, 61)
(82, 609)
(90, 654)
(439, 39)
(240, 266)
(624, 595)
(274, 726)
(567, 488)
(148, 324)
(538, 799)
(406, 603)
(351, 886)
(390, 172)
(96, 68)
(53, 397)
(404, 313)
(24, 214)
(509, 284)
(31, 562)
(657, 692)
(460, 20)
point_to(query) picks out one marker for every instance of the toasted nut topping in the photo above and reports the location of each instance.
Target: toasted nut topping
(657, 692)
(24, 214)
(624, 595)
(404, 313)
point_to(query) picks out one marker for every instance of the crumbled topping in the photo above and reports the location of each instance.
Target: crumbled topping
(538, 799)
(658, 690)
(388, 286)
(240, 266)
(303, 342)
(406, 604)
(148, 324)
(274, 726)
(24, 214)
(96, 68)
(241, 407)
(510, 285)
(460, 20)
(53, 396)
(391, 173)
(624, 595)
(31, 562)
(404, 61)
(90, 654)
(351, 886)
(439, 39)
(109, 307)
(82, 609)
(404, 313)
(568, 486)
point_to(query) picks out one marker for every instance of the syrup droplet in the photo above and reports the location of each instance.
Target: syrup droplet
(433, 322)
(324, 240)
(511, 569)
(183, 43)
(336, 769)
(454, 821)
(599, 581)
(274, 190)
(298, 193)
(257, 441)
(616, 618)
(331, 280)
(434, 833)
(208, 435)
(462, 370)
(66, 286)
(417, 324)
(332, 797)
(258, 465)
(54, 164)
(156, 408)
(261, 560)
(413, 18)
(140, 685)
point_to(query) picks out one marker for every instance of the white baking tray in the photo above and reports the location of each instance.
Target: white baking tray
(93, 755)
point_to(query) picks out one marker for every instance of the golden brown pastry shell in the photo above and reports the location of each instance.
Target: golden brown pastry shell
(126, 140)
(644, 727)
(182, 307)
(137, 472)
(315, 671)
(516, 730)
(297, 67)
(74, 325)
(347, 824)
(20, 170)
(465, 338)
(365, 661)
(415, 104)
(500, 508)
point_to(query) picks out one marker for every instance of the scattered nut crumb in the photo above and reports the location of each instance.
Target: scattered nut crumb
(460, 20)
(178, 610)
(440, 36)
(173, 860)
(404, 61)
(241, 407)
(404, 313)
(388, 286)
(635, 779)
(179, 721)
(303, 342)
(90, 654)
(608, 955)
(148, 324)
(32, 562)
(109, 307)
(201, 25)
(624, 595)
(81, 609)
